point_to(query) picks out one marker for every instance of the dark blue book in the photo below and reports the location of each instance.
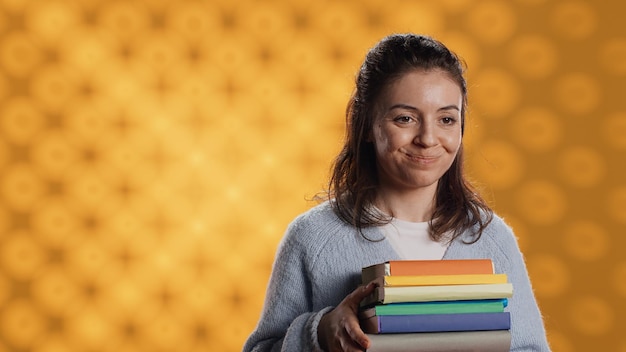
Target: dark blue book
(393, 324)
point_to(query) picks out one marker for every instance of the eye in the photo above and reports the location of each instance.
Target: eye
(403, 119)
(447, 120)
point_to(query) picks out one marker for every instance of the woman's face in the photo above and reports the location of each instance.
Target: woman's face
(417, 130)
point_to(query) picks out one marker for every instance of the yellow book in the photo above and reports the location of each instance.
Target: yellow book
(438, 280)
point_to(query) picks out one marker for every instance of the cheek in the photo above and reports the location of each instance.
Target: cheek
(453, 141)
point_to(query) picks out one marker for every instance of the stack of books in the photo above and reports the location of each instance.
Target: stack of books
(436, 305)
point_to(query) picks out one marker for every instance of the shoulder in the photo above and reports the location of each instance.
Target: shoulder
(318, 220)
(499, 235)
(311, 230)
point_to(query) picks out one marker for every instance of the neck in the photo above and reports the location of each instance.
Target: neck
(416, 205)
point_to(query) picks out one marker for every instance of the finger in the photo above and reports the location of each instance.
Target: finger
(362, 292)
(357, 336)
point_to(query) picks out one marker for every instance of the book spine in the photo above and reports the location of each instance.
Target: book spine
(444, 293)
(441, 267)
(374, 272)
(427, 267)
(391, 324)
(437, 280)
(446, 307)
(483, 341)
(403, 294)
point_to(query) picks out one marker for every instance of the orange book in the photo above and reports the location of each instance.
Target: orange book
(427, 267)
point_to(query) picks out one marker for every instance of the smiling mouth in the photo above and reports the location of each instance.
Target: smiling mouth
(421, 158)
(422, 161)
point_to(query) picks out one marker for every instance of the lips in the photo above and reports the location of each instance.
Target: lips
(424, 159)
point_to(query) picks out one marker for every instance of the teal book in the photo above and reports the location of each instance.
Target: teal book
(442, 307)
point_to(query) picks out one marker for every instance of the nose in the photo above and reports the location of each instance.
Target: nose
(425, 135)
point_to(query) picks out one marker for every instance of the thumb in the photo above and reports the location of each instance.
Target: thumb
(353, 329)
(363, 291)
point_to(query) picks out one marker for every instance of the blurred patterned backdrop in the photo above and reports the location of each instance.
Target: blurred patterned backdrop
(152, 154)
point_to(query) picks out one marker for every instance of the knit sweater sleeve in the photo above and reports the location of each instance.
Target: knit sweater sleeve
(499, 243)
(288, 322)
(527, 328)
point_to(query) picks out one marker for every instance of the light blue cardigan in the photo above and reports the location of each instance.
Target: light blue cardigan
(319, 262)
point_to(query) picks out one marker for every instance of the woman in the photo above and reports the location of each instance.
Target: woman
(397, 192)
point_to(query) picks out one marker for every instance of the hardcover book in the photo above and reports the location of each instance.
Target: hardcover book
(399, 294)
(442, 307)
(436, 280)
(393, 324)
(462, 341)
(427, 267)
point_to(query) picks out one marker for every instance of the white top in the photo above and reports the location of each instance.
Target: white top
(411, 240)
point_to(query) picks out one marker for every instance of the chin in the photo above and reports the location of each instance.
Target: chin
(424, 183)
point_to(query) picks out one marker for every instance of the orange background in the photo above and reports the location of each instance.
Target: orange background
(152, 154)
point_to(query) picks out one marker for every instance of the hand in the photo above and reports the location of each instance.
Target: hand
(339, 329)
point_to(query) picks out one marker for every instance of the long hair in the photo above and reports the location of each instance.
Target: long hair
(354, 180)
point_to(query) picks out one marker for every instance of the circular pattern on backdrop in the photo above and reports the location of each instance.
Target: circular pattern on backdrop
(4, 153)
(19, 54)
(91, 328)
(55, 291)
(612, 56)
(494, 92)
(504, 165)
(533, 56)
(531, 2)
(4, 87)
(574, 19)
(456, 6)
(52, 88)
(617, 204)
(591, 315)
(550, 275)
(51, 21)
(264, 21)
(21, 187)
(21, 121)
(541, 202)
(5, 220)
(493, 22)
(22, 256)
(618, 278)
(537, 129)
(586, 240)
(5, 289)
(21, 323)
(53, 154)
(613, 127)
(465, 47)
(577, 93)
(424, 17)
(582, 167)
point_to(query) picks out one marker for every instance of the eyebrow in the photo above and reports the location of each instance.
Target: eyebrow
(410, 107)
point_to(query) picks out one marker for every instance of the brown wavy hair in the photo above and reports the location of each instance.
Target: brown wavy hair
(354, 181)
